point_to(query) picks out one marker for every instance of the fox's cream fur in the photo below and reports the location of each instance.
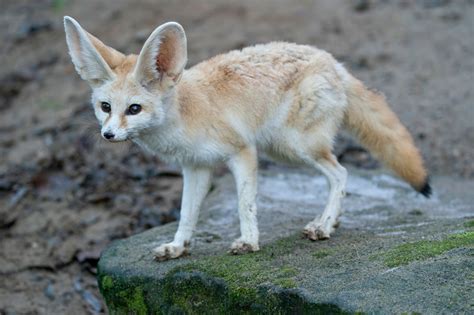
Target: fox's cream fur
(284, 99)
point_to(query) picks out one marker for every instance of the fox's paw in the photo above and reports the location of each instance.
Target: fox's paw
(317, 231)
(239, 247)
(169, 251)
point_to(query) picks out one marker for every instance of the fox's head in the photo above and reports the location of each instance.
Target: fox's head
(130, 94)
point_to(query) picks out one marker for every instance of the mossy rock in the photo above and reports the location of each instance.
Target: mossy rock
(395, 263)
(254, 283)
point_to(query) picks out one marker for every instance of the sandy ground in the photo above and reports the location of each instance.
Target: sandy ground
(65, 194)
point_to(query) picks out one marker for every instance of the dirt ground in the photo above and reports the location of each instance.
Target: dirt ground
(65, 193)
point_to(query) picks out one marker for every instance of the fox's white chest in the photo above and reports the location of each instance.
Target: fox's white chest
(177, 148)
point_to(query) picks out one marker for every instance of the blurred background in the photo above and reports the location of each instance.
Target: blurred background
(65, 193)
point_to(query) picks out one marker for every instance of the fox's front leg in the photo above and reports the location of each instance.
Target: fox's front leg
(244, 168)
(195, 188)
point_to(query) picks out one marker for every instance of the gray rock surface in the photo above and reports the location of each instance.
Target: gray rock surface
(394, 252)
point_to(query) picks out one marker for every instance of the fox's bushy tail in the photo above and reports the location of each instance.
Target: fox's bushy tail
(370, 119)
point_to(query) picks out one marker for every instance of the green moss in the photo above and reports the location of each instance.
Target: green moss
(244, 273)
(134, 300)
(107, 282)
(286, 283)
(406, 253)
(321, 253)
(193, 293)
(199, 293)
(469, 224)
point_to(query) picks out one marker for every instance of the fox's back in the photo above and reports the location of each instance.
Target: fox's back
(272, 65)
(256, 79)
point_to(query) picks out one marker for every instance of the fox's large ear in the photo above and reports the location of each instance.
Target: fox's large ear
(92, 59)
(163, 56)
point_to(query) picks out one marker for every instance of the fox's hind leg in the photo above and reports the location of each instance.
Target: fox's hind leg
(322, 227)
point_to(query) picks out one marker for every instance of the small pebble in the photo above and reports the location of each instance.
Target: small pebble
(49, 291)
(94, 302)
(78, 285)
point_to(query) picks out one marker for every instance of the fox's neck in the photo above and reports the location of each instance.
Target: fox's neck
(169, 138)
(177, 104)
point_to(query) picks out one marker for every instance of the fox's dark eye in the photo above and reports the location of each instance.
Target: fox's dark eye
(134, 109)
(105, 107)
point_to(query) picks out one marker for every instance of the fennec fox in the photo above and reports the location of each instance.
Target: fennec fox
(284, 99)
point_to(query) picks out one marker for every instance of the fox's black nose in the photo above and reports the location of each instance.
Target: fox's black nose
(108, 135)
